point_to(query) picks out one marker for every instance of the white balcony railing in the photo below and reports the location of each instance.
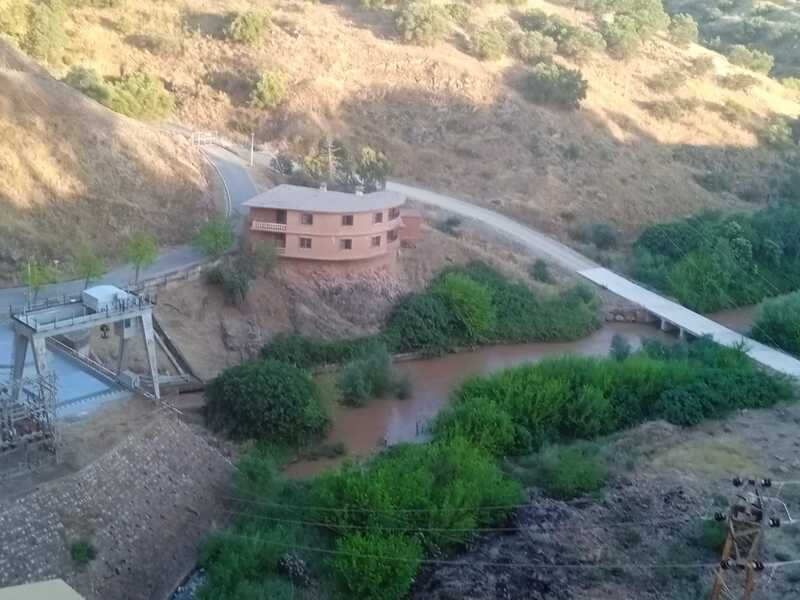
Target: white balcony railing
(270, 227)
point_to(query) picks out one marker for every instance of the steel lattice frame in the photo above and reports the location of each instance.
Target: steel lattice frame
(29, 433)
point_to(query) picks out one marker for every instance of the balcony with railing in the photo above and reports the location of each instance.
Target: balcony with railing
(268, 227)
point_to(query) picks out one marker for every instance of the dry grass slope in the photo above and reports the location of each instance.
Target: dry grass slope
(72, 171)
(446, 119)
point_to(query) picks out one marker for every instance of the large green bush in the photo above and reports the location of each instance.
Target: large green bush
(422, 22)
(713, 262)
(566, 473)
(575, 42)
(777, 323)
(246, 27)
(683, 30)
(470, 303)
(309, 352)
(265, 399)
(89, 82)
(755, 60)
(371, 375)
(142, 96)
(549, 83)
(487, 43)
(422, 323)
(376, 566)
(46, 33)
(580, 398)
(622, 38)
(268, 92)
(534, 47)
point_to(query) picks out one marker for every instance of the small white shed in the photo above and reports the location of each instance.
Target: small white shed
(100, 297)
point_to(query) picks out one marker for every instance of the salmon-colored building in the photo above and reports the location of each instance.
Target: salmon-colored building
(320, 225)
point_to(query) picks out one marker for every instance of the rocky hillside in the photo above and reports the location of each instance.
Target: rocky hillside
(636, 152)
(74, 172)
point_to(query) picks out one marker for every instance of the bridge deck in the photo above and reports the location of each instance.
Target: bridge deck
(690, 321)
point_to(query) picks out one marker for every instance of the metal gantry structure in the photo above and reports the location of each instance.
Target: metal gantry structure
(747, 522)
(29, 433)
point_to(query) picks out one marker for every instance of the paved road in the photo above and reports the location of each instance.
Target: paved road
(240, 188)
(536, 242)
(672, 312)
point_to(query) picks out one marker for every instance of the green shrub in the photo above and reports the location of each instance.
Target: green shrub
(667, 81)
(422, 22)
(265, 399)
(754, 60)
(488, 43)
(738, 82)
(215, 237)
(470, 303)
(512, 411)
(246, 27)
(540, 271)
(307, 352)
(376, 566)
(141, 96)
(672, 110)
(602, 235)
(268, 92)
(46, 33)
(579, 43)
(620, 347)
(735, 113)
(372, 4)
(422, 322)
(89, 82)
(532, 47)
(14, 19)
(235, 285)
(622, 37)
(777, 133)
(567, 473)
(701, 65)
(713, 535)
(777, 322)
(557, 85)
(791, 83)
(82, 552)
(369, 376)
(409, 486)
(683, 30)
(459, 12)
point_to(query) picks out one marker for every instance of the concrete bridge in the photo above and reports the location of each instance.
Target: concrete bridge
(672, 315)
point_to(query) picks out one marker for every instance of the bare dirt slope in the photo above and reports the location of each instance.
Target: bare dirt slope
(72, 171)
(446, 119)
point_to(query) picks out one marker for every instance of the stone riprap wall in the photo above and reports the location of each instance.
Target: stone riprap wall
(146, 506)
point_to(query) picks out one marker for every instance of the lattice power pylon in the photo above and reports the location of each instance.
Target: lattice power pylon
(747, 520)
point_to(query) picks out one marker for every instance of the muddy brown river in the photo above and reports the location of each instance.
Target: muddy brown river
(387, 421)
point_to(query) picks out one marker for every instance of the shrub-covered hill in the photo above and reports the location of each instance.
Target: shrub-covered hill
(73, 172)
(453, 94)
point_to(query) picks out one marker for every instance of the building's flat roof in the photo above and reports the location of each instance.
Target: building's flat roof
(46, 590)
(295, 197)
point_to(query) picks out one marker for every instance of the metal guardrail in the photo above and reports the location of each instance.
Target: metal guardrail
(130, 304)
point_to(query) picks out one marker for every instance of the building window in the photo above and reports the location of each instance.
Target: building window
(378, 217)
(307, 219)
(305, 242)
(394, 213)
(345, 244)
(376, 241)
(347, 219)
(391, 235)
(280, 216)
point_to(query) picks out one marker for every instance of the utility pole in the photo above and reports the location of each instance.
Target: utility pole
(252, 148)
(747, 520)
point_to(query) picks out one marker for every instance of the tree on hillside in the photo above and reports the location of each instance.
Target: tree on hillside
(683, 30)
(46, 35)
(140, 251)
(35, 275)
(215, 237)
(88, 264)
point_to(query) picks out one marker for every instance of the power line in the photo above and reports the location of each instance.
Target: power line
(527, 529)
